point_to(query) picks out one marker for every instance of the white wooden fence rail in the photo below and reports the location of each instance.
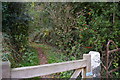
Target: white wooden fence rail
(79, 66)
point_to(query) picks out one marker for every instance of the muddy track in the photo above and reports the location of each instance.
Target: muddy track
(42, 56)
(43, 60)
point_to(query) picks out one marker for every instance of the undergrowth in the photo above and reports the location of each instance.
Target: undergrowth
(55, 56)
(30, 58)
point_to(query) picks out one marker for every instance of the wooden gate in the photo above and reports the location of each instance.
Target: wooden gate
(80, 66)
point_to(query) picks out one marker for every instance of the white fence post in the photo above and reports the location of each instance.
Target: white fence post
(6, 69)
(88, 68)
(95, 63)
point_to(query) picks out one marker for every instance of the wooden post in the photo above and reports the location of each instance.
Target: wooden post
(76, 73)
(6, 69)
(83, 73)
(88, 68)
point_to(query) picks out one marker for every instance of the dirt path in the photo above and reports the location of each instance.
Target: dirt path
(42, 56)
(43, 60)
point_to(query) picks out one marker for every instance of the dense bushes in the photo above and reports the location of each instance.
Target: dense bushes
(15, 21)
(16, 29)
(77, 28)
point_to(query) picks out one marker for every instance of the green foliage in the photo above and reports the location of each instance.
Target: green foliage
(84, 28)
(77, 28)
(30, 58)
(66, 74)
(15, 20)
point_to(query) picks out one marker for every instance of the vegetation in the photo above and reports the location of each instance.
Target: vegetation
(15, 20)
(66, 30)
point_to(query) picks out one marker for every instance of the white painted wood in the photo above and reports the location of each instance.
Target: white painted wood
(6, 69)
(40, 70)
(76, 73)
(84, 72)
(88, 68)
(88, 58)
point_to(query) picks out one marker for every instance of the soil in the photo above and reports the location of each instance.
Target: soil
(42, 56)
(43, 60)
